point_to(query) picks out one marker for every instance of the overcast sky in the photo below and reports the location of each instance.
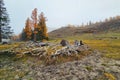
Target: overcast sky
(61, 12)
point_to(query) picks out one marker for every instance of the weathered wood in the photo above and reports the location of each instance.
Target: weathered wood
(35, 50)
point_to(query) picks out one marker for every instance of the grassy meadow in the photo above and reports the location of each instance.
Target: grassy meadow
(107, 43)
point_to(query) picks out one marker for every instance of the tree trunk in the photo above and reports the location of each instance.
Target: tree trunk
(35, 37)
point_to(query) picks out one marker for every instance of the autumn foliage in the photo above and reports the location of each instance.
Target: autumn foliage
(41, 27)
(28, 29)
(35, 28)
(34, 22)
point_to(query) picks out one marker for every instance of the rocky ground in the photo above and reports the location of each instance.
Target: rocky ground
(92, 67)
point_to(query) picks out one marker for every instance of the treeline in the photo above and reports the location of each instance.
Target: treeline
(35, 28)
(106, 25)
(91, 24)
(110, 19)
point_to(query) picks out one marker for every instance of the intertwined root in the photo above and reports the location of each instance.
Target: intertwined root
(53, 50)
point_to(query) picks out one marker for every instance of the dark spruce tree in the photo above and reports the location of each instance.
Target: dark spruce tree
(23, 35)
(4, 20)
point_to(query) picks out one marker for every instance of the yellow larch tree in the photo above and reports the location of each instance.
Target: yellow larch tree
(28, 29)
(34, 22)
(42, 26)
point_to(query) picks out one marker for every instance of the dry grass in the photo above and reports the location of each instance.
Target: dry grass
(109, 76)
(65, 58)
(107, 43)
(8, 46)
(110, 48)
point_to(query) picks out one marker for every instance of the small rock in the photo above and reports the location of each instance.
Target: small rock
(24, 79)
(16, 77)
(38, 73)
(30, 72)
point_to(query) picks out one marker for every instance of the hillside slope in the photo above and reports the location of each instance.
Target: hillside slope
(112, 25)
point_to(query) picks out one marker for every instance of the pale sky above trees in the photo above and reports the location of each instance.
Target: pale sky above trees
(61, 12)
